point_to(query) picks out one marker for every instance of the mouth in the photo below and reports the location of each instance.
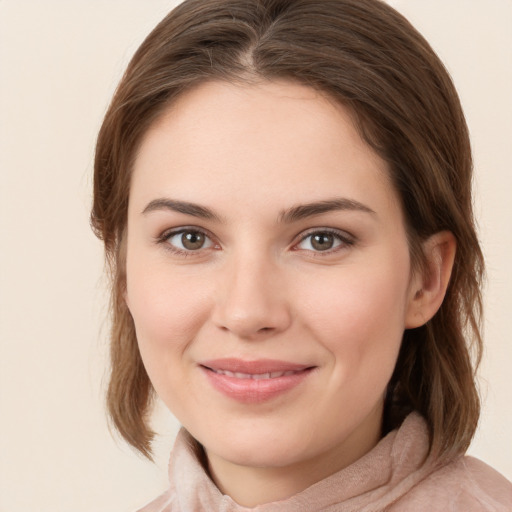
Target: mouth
(252, 382)
(254, 376)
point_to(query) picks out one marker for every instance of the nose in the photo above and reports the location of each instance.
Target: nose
(251, 300)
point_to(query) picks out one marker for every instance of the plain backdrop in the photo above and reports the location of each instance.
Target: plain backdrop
(59, 64)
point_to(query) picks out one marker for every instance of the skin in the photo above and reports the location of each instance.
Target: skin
(259, 288)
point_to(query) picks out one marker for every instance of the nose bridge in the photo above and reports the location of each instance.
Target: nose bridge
(252, 299)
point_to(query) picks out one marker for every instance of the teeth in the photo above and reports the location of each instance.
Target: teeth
(254, 376)
(258, 376)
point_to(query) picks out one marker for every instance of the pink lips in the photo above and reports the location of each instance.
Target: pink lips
(254, 381)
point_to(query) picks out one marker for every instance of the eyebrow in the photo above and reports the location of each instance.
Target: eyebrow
(185, 207)
(293, 214)
(303, 211)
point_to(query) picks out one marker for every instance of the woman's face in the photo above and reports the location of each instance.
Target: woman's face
(268, 275)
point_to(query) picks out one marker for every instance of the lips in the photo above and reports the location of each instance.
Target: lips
(253, 382)
(255, 376)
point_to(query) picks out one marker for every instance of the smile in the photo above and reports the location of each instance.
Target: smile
(253, 382)
(255, 376)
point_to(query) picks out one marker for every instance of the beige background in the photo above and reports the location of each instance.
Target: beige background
(59, 64)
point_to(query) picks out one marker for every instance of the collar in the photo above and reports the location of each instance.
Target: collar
(371, 483)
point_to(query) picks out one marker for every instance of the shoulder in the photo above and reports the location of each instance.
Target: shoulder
(464, 485)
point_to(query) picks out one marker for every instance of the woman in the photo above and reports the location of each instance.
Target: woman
(284, 193)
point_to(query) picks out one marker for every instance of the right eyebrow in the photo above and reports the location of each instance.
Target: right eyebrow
(195, 210)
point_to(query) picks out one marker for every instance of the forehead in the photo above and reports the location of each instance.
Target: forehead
(219, 141)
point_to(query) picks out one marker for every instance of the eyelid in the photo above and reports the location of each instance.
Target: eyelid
(346, 239)
(164, 237)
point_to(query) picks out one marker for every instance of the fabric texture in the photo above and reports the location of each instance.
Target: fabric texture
(393, 477)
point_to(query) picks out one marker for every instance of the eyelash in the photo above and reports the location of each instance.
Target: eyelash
(345, 240)
(164, 238)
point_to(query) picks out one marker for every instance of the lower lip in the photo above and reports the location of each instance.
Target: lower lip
(252, 391)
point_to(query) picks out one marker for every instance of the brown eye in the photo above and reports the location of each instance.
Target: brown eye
(192, 240)
(188, 240)
(322, 241)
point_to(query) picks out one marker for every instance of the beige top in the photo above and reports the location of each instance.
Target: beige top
(392, 477)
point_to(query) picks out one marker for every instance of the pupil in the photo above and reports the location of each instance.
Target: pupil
(322, 242)
(192, 240)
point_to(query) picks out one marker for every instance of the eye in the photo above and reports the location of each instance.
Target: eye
(188, 240)
(323, 241)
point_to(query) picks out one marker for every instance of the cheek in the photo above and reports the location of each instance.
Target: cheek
(359, 317)
(167, 310)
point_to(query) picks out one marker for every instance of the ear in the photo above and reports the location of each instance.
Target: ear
(428, 285)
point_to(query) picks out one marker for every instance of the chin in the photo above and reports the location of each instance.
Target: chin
(257, 445)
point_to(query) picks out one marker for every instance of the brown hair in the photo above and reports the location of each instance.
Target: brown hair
(365, 55)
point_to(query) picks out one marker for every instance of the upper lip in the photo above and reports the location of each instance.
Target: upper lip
(255, 367)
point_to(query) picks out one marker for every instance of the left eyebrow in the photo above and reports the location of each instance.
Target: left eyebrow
(299, 212)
